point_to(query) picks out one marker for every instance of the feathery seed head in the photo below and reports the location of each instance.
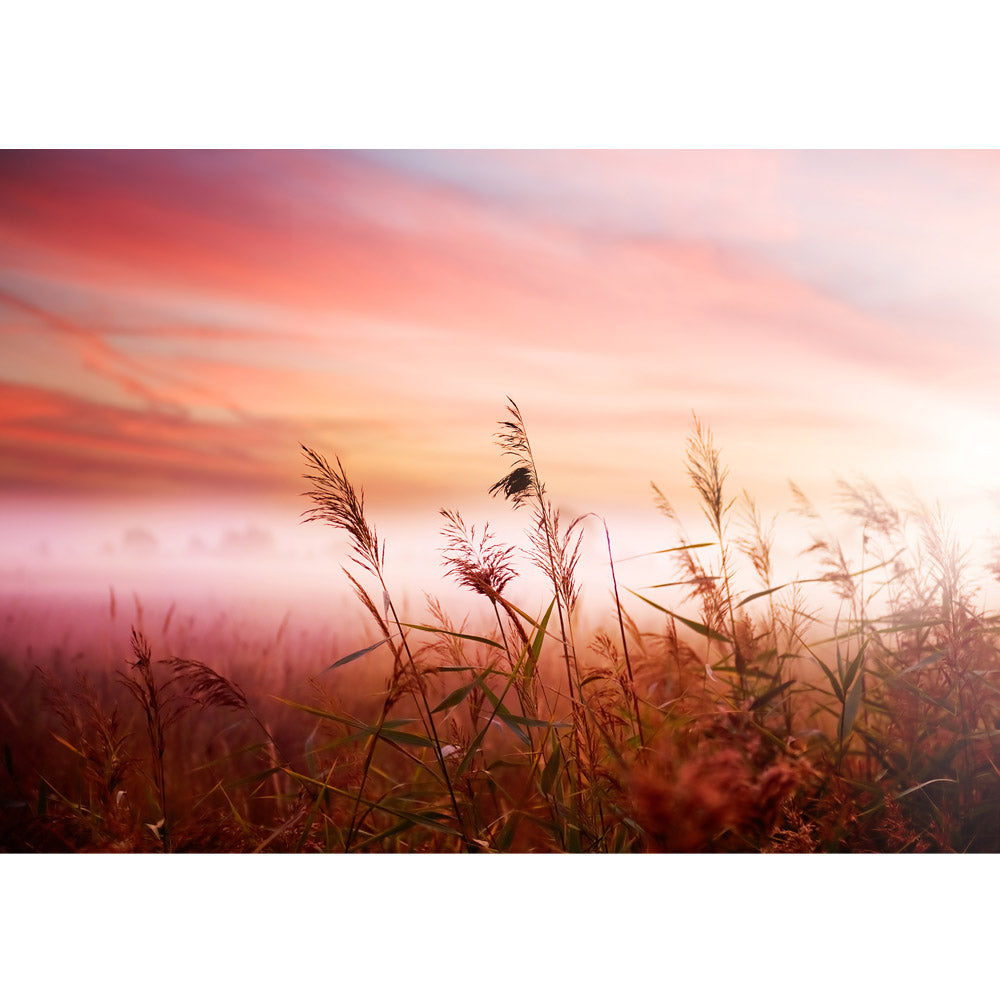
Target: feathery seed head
(338, 503)
(207, 687)
(480, 564)
(707, 473)
(557, 555)
(521, 484)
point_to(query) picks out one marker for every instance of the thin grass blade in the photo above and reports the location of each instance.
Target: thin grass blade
(355, 655)
(693, 625)
(455, 635)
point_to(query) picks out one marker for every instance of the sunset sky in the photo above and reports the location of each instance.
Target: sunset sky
(174, 324)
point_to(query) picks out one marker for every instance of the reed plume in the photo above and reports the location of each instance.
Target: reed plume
(708, 476)
(210, 689)
(337, 503)
(480, 564)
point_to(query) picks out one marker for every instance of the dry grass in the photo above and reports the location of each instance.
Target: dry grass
(743, 721)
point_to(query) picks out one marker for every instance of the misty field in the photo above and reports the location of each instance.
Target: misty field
(852, 708)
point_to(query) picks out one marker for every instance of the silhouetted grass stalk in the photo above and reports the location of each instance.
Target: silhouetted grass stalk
(161, 710)
(557, 558)
(621, 629)
(708, 477)
(337, 503)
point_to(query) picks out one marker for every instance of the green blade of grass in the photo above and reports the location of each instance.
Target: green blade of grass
(504, 714)
(551, 768)
(695, 626)
(400, 737)
(763, 593)
(506, 835)
(831, 677)
(454, 635)
(470, 754)
(781, 586)
(854, 665)
(676, 548)
(531, 655)
(354, 656)
(531, 621)
(455, 698)
(851, 706)
(770, 695)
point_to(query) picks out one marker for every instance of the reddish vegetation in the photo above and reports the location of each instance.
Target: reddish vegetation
(741, 725)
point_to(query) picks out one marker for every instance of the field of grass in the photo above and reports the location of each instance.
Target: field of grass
(742, 721)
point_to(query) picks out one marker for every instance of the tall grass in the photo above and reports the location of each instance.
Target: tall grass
(745, 719)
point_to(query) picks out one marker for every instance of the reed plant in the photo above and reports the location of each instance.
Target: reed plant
(747, 718)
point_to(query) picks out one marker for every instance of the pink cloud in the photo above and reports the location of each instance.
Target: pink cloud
(383, 307)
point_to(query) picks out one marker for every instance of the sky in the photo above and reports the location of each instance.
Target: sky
(174, 324)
